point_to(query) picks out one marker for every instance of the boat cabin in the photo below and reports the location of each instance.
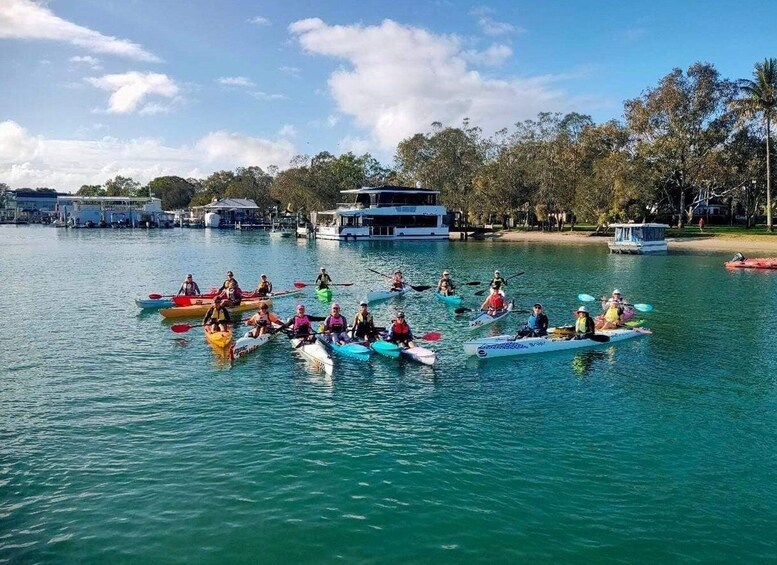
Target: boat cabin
(638, 239)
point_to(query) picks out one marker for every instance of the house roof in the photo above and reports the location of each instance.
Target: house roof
(231, 204)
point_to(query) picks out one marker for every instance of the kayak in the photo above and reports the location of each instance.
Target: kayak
(378, 295)
(385, 348)
(151, 303)
(218, 339)
(248, 344)
(507, 345)
(316, 353)
(324, 294)
(419, 355)
(201, 309)
(452, 300)
(599, 322)
(756, 263)
(208, 299)
(354, 350)
(484, 318)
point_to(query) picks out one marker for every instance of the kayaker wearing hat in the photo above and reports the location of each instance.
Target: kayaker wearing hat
(537, 325)
(189, 287)
(323, 280)
(217, 316)
(398, 282)
(263, 321)
(494, 304)
(498, 282)
(336, 326)
(300, 325)
(232, 295)
(584, 326)
(445, 285)
(230, 278)
(400, 332)
(363, 326)
(264, 287)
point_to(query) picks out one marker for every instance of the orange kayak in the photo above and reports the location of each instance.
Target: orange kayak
(200, 309)
(219, 339)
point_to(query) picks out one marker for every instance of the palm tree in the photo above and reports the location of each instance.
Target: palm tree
(760, 97)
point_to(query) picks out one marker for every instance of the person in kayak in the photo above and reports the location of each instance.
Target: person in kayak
(189, 287)
(229, 279)
(263, 321)
(323, 280)
(616, 298)
(584, 326)
(264, 287)
(612, 318)
(400, 332)
(336, 326)
(217, 316)
(300, 325)
(494, 304)
(232, 295)
(445, 285)
(397, 282)
(536, 326)
(363, 326)
(498, 282)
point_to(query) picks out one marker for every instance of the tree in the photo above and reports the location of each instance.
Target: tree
(175, 192)
(122, 186)
(91, 190)
(760, 97)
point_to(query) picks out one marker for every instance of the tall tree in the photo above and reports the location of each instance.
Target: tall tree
(760, 97)
(91, 190)
(122, 186)
(175, 192)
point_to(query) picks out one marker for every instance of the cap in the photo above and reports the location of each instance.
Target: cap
(400, 314)
(189, 276)
(445, 273)
(363, 303)
(397, 272)
(335, 305)
(229, 273)
(263, 276)
(538, 305)
(497, 273)
(323, 268)
(300, 306)
(616, 291)
(582, 309)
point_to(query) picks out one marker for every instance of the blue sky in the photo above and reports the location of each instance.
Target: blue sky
(94, 88)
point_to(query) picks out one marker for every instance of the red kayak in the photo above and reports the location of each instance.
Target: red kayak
(757, 263)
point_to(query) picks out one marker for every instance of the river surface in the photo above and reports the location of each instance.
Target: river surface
(121, 441)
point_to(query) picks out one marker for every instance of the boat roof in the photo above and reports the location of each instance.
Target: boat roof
(389, 188)
(648, 225)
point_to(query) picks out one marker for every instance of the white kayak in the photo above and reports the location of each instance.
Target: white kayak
(247, 344)
(419, 354)
(484, 318)
(378, 295)
(507, 345)
(316, 352)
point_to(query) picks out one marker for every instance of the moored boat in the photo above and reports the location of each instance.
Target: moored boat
(200, 309)
(755, 263)
(508, 345)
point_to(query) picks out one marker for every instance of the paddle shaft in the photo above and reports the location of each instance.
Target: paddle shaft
(482, 292)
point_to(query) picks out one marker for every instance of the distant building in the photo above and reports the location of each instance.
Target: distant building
(227, 212)
(27, 205)
(114, 211)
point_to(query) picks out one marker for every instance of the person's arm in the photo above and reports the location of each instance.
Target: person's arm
(181, 290)
(227, 317)
(410, 334)
(544, 323)
(269, 287)
(197, 289)
(208, 314)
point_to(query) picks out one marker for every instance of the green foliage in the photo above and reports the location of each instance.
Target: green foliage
(122, 186)
(91, 190)
(175, 192)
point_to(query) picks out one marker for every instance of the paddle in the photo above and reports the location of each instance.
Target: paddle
(155, 296)
(482, 292)
(641, 307)
(183, 328)
(472, 283)
(299, 284)
(431, 336)
(417, 288)
(600, 338)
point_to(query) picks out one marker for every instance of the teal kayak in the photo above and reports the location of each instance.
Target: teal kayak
(451, 300)
(324, 294)
(353, 350)
(385, 348)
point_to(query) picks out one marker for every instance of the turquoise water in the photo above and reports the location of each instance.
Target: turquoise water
(122, 441)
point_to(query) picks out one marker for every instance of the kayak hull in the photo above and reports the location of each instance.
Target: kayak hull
(379, 295)
(208, 300)
(385, 348)
(420, 355)
(508, 346)
(218, 339)
(453, 300)
(485, 319)
(315, 352)
(248, 344)
(154, 303)
(352, 350)
(324, 294)
(756, 263)
(201, 309)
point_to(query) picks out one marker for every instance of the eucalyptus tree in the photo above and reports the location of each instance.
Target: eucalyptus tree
(122, 186)
(174, 192)
(677, 125)
(759, 96)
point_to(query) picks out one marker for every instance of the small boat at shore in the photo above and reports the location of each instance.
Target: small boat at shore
(740, 262)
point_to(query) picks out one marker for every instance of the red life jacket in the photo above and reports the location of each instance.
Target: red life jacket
(401, 329)
(496, 302)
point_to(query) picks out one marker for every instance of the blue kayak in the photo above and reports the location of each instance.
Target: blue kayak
(451, 300)
(149, 303)
(385, 348)
(353, 350)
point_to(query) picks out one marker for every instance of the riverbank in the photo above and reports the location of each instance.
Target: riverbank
(744, 243)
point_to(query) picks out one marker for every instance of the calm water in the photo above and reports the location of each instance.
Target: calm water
(121, 441)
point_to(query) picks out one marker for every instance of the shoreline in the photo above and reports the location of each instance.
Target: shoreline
(720, 243)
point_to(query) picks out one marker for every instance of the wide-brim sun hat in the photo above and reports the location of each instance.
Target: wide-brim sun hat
(616, 291)
(582, 309)
(363, 303)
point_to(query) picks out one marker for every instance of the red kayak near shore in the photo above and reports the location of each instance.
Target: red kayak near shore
(756, 263)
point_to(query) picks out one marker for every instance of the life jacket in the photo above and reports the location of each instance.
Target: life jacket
(613, 313)
(263, 288)
(497, 282)
(323, 280)
(444, 286)
(397, 283)
(496, 302)
(584, 326)
(401, 330)
(301, 325)
(219, 315)
(363, 325)
(261, 319)
(189, 288)
(335, 324)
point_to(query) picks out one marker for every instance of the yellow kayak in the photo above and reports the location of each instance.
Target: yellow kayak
(218, 339)
(200, 309)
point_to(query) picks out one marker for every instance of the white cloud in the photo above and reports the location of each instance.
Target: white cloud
(260, 95)
(25, 19)
(291, 71)
(235, 81)
(494, 56)
(492, 27)
(398, 79)
(355, 145)
(287, 131)
(87, 60)
(67, 164)
(129, 90)
(259, 20)
(332, 120)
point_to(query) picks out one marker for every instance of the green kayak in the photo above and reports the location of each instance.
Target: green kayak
(324, 294)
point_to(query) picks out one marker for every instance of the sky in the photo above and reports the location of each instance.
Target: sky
(91, 89)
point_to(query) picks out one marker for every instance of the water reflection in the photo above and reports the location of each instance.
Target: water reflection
(583, 362)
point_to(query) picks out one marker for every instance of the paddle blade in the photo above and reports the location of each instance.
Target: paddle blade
(154, 296)
(420, 288)
(181, 328)
(343, 284)
(473, 283)
(600, 338)
(481, 292)
(644, 307)
(585, 298)
(298, 284)
(462, 310)
(431, 336)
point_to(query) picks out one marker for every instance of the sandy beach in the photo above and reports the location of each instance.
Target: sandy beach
(746, 244)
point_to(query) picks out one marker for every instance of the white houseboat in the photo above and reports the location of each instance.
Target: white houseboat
(638, 238)
(383, 213)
